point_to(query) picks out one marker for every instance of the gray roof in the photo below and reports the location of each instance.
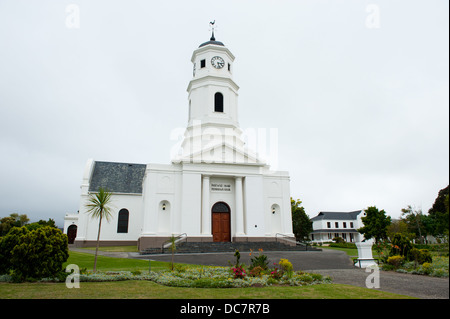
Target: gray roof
(337, 215)
(334, 230)
(118, 177)
(212, 42)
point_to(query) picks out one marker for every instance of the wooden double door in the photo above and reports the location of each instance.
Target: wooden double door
(221, 229)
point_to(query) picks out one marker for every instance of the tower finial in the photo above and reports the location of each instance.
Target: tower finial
(212, 27)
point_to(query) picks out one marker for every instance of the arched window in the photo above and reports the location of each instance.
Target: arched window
(218, 102)
(122, 224)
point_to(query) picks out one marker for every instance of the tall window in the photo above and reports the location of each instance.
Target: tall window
(218, 102)
(122, 224)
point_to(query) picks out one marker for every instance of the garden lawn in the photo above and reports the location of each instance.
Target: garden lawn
(134, 289)
(142, 289)
(86, 260)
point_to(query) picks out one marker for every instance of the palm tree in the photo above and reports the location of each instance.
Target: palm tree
(98, 206)
(173, 247)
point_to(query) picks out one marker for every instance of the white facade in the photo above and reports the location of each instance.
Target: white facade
(215, 189)
(328, 225)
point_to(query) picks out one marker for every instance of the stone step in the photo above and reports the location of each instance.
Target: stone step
(211, 247)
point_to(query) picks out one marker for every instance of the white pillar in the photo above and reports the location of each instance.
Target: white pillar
(206, 212)
(239, 207)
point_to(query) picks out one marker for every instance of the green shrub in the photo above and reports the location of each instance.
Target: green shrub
(420, 256)
(7, 244)
(401, 246)
(427, 268)
(256, 271)
(31, 255)
(396, 261)
(259, 261)
(343, 245)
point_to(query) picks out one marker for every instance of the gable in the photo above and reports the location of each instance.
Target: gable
(224, 153)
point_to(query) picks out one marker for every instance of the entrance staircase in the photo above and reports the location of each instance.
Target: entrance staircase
(219, 247)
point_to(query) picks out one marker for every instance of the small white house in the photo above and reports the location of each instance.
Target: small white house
(328, 225)
(215, 189)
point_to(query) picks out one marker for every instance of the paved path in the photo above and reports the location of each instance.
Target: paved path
(333, 263)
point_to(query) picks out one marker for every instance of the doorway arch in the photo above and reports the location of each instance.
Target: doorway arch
(71, 233)
(221, 222)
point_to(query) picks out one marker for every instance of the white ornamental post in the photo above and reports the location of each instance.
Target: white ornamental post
(365, 258)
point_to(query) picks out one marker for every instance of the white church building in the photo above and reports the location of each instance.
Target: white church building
(215, 189)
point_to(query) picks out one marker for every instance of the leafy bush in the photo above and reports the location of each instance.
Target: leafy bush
(343, 245)
(421, 256)
(396, 261)
(256, 271)
(427, 268)
(239, 272)
(35, 254)
(401, 246)
(285, 265)
(275, 274)
(259, 261)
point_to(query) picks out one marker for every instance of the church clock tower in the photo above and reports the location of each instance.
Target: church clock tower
(213, 134)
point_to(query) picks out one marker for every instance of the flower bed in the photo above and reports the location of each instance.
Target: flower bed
(209, 277)
(238, 275)
(438, 268)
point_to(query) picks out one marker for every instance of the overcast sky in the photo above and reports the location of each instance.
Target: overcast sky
(357, 92)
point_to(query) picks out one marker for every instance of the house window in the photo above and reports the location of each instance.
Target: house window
(344, 236)
(336, 224)
(330, 236)
(344, 224)
(351, 224)
(202, 63)
(328, 224)
(229, 67)
(218, 102)
(122, 224)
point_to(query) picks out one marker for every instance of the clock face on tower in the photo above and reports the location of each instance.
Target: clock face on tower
(217, 62)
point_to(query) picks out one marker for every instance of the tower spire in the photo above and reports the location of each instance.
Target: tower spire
(212, 27)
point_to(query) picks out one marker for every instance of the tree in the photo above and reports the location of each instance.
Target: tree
(439, 212)
(41, 223)
(301, 224)
(34, 254)
(375, 224)
(99, 206)
(399, 227)
(13, 220)
(417, 222)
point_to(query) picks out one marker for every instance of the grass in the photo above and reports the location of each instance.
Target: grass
(131, 249)
(86, 260)
(149, 290)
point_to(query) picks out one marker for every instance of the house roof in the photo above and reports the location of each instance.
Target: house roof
(337, 215)
(334, 230)
(118, 177)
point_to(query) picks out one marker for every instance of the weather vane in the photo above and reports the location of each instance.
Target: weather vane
(212, 26)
